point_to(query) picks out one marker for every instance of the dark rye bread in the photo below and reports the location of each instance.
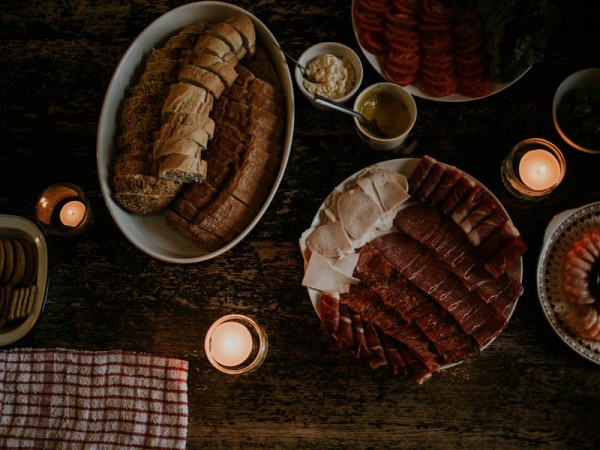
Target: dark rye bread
(241, 166)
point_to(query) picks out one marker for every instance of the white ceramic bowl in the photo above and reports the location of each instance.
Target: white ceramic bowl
(151, 233)
(405, 97)
(336, 49)
(586, 81)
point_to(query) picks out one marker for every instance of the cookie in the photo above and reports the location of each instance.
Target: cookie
(19, 263)
(8, 260)
(30, 276)
(6, 295)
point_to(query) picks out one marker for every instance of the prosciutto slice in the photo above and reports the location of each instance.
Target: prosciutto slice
(446, 184)
(468, 204)
(345, 331)
(506, 257)
(377, 355)
(362, 348)
(487, 226)
(481, 211)
(431, 182)
(462, 187)
(395, 360)
(330, 313)
(420, 173)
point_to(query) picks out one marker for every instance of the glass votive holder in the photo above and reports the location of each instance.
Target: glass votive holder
(533, 168)
(236, 344)
(63, 210)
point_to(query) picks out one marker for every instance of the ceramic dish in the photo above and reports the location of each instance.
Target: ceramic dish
(19, 227)
(562, 232)
(405, 166)
(151, 233)
(416, 89)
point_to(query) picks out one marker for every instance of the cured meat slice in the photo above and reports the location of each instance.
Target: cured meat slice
(481, 211)
(363, 301)
(420, 173)
(330, 313)
(419, 373)
(389, 244)
(487, 226)
(489, 330)
(506, 257)
(457, 347)
(395, 360)
(504, 301)
(468, 204)
(405, 299)
(345, 331)
(377, 356)
(497, 239)
(461, 188)
(446, 184)
(372, 265)
(362, 348)
(431, 182)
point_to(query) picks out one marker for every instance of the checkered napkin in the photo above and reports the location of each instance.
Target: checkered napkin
(59, 398)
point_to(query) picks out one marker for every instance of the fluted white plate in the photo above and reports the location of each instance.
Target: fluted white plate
(564, 230)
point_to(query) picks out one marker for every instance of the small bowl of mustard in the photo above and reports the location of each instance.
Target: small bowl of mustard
(394, 110)
(336, 69)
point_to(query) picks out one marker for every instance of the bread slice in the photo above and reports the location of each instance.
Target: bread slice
(230, 211)
(29, 278)
(244, 26)
(250, 138)
(225, 70)
(185, 98)
(8, 260)
(143, 203)
(188, 211)
(211, 44)
(231, 37)
(200, 194)
(182, 146)
(183, 168)
(239, 94)
(210, 241)
(241, 186)
(146, 184)
(249, 81)
(202, 78)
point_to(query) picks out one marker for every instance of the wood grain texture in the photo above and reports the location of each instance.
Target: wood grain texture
(527, 390)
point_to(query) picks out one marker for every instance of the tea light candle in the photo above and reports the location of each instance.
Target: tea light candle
(533, 168)
(231, 344)
(63, 210)
(72, 213)
(539, 169)
(235, 344)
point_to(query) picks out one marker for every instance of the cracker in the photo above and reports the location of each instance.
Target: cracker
(22, 303)
(19, 263)
(13, 304)
(32, 297)
(8, 260)
(30, 275)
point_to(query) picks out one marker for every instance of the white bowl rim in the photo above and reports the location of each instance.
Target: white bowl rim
(561, 90)
(412, 106)
(302, 60)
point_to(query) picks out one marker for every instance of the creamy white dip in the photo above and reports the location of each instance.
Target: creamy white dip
(335, 76)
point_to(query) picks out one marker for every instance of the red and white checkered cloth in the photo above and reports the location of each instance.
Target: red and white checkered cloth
(59, 398)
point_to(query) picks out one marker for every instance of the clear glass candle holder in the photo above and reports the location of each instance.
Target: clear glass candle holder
(533, 168)
(63, 210)
(236, 344)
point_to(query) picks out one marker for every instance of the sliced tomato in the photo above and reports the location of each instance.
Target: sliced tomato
(476, 87)
(404, 40)
(407, 6)
(399, 70)
(374, 43)
(440, 60)
(373, 28)
(398, 79)
(438, 10)
(435, 41)
(470, 57)
(399, 20)
(440, 87)
(438, 73)
(474, 70)
(374, 6)
(430, 26)
(369, 17)
(399, 58)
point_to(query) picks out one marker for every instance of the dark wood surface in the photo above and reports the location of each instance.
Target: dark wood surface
(527, 390)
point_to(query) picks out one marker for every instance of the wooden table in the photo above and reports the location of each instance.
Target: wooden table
(527, 390)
